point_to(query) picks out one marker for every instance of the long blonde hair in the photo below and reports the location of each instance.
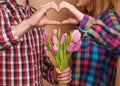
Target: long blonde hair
(100, 6)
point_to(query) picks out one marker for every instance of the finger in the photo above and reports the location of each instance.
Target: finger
(53, 22)
(66, 70)
(66, 5)
(53, 6)
(70, 21)
(50, 5)
(62, 5)
(65, 79)
(66, 74)
(72, 9)
(61, 76)
(57, 70)
(64, 82)
(45, 21)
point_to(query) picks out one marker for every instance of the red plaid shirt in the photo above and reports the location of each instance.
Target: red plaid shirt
(22, 60)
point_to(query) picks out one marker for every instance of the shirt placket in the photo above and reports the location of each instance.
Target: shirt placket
(35, 66)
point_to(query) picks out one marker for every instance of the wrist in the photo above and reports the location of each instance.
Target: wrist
(81, 16)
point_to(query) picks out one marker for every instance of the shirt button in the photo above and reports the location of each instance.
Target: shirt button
(21, 39)
(35, 65)
(36, 83)
(33, 49)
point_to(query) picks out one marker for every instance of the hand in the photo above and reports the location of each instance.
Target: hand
(78, 16)
(62, 76)
(45, 21)
(70, 21)
(39, 17)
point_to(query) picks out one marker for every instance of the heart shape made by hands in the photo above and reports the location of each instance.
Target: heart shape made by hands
(61, 15)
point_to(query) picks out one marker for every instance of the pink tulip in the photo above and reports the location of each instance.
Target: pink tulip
(54, 32)
(77, 46)
(54, 39)
(63, 38)
(70, 47)
(54, 49)
(76, 36)
(46, 37)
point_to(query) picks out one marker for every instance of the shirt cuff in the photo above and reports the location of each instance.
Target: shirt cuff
(84, 21)
(53, 80)
(16, 38)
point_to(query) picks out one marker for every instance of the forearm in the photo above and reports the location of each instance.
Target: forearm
(13, 34)
(101, 33)
(22, 28)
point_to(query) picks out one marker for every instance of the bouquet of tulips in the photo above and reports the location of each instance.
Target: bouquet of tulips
(62, 46)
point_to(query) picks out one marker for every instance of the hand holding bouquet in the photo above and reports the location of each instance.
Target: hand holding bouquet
(62, 46)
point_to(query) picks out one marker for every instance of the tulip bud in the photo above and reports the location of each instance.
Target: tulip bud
(63, 38)
(54, 39)
(76, 36)
(46, 37)
(70, 47)
(54, 32)
(77, 46)
(54, 49)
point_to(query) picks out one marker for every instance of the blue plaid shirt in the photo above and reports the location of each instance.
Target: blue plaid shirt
(95, 64)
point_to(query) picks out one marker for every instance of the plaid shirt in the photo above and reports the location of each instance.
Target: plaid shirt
(23, 61)
(95, 64)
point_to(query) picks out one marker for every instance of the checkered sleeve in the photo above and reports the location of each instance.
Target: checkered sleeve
(48, 67)
(108, 37)
(48, 70)
(7, 33)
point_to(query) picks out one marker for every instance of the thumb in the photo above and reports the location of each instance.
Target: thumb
(57, 70)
